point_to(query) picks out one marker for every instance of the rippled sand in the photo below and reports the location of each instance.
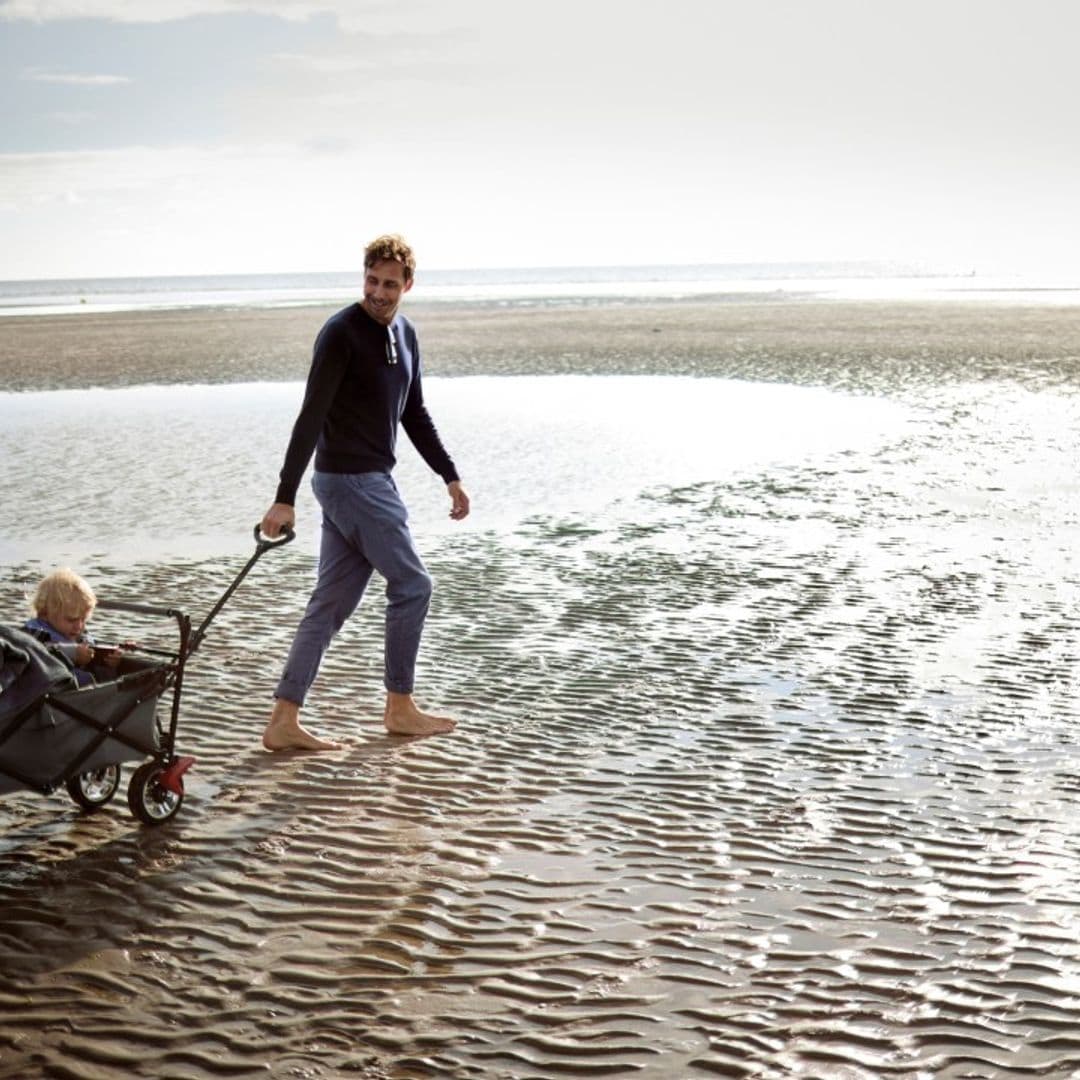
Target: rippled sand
(768, 776)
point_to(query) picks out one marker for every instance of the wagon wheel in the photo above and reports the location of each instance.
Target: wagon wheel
(151, 803)
(93, 789)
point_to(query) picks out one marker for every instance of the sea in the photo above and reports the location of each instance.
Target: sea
(540, 286)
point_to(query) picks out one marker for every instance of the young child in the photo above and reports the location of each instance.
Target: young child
(62, 605)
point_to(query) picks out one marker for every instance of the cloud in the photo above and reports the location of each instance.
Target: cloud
(47, 176)
(204, 209)
(324, 65)
(148, 11)
(72, 79)
(353, 16)
(72, 118)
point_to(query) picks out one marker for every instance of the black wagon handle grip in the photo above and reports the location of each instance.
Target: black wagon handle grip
(265, 543)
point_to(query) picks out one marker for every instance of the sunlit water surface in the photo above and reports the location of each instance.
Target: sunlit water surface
(177, 471)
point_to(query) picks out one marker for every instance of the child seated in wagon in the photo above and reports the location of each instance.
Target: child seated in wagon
(62, 606)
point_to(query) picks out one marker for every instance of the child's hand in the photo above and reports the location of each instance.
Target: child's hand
(84, 654)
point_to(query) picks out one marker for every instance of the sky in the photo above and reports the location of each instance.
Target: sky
(243, 136)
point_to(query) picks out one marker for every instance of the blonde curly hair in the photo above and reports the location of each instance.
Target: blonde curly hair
(390, 246)
(62, 591)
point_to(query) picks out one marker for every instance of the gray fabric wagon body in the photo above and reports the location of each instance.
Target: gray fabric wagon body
(50, 729)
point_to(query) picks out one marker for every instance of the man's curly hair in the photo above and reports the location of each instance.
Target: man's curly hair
(393, 247)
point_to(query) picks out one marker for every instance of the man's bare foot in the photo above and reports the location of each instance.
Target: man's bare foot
(285, 732)
(402, 717)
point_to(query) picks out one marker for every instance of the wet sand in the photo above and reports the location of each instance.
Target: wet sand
(762, 776)
(869, 345)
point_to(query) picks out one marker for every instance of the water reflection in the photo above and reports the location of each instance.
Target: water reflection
(167, 471)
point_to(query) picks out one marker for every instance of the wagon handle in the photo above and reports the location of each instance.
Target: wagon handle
(264, 543)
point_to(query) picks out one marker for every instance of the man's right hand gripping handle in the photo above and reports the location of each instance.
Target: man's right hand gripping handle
(278, 515)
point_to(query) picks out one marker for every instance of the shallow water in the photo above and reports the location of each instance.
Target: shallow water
(765, 773)
(184, 471)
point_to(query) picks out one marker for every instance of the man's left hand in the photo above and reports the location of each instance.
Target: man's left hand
(460, 499)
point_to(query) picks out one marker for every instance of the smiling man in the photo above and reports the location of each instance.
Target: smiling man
(364, 381)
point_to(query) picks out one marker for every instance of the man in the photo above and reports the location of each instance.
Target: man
(365, 378)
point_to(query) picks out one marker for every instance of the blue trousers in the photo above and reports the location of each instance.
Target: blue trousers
(365, 527)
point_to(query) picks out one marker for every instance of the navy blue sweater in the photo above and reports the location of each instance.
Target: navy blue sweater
(355, 399)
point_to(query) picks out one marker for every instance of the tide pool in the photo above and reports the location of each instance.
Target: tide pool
(156, 472)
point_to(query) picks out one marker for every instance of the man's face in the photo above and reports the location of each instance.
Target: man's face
(384, 286)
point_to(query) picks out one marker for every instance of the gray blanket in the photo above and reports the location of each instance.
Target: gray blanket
(28, 671)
